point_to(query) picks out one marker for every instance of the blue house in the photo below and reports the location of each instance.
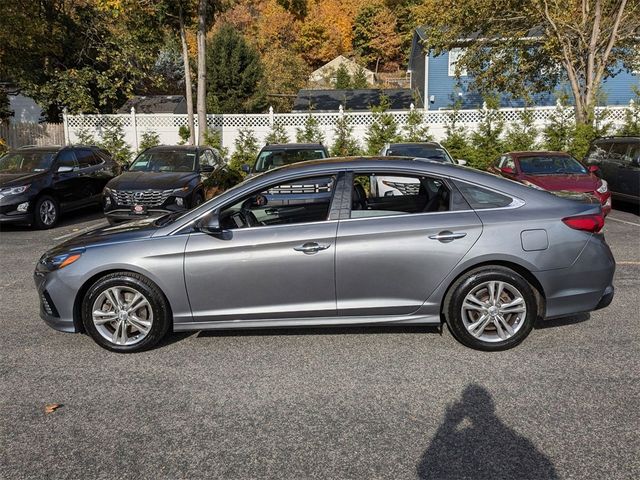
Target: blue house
(436, 86)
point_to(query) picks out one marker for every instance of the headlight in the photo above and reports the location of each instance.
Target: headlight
(603, 188)
(50, 262)
(532, 185)
(13, 190)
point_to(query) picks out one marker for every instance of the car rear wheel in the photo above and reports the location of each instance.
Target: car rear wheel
(125, 312)
(46, 212)
(491, 308)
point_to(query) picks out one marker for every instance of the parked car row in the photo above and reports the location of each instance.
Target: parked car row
(38, 184)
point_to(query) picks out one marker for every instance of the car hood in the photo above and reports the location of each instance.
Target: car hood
(151, 180)
(574, 183)
(17, 179)
(124, 232)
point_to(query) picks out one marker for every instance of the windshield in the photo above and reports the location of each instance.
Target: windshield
(165, 161)
(269, 159)
(421, 151)
(26, 162)
(550, 165)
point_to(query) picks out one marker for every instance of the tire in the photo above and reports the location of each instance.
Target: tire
(46, 212)
(197, 199)
(486, 322)
(138, 330)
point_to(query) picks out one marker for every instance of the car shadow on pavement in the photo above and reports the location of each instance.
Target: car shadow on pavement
(562, 321)
(473, 442)
(356, 330)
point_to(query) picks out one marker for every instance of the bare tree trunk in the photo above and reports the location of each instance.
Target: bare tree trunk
(188, 85)
(202, 71)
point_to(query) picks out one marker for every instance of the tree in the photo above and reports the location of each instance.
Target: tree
(456, 139)
(188, 84)
(47, 49)
(631, 124)
(213, 138)
(414, 129)
(278, 133)
(527, 47)
(344, 143)
(246, 149)
(487, 139)
(343, 79)
(375, 39)
(203, 8)
(148, 140)
(522, 134)
(288, 73)
(112, 140)
(383, 129)
(559, 128)
(234, 74)
(359, 80)
(5, 106)
(310, 132)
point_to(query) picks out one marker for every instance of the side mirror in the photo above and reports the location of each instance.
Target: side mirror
(246, 168)
(125, 167)
(593, 168)
(206, 168)
(460, 161)
(209, 224)
(65, 169)
(507, 170)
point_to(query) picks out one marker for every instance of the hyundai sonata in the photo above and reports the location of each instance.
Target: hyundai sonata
(483, 254)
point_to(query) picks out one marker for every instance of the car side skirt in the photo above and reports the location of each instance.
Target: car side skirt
(311, 322)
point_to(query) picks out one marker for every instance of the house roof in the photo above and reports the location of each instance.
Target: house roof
(329, 68)
(330, 100)
(155, 104)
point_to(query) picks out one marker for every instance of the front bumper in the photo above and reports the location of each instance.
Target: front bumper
(9, 212)
(58, 314)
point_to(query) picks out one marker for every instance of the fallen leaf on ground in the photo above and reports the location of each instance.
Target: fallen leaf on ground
(51, 407)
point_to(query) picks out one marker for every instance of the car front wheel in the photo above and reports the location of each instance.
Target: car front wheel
(491, 308)
(125, 312)
(46, 212)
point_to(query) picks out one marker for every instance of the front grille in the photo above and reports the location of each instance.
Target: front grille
(47, 304)
(148, 198)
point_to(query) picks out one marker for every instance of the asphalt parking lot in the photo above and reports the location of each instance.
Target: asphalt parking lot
(333, 403)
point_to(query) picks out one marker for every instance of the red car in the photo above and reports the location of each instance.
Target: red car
(555, 172)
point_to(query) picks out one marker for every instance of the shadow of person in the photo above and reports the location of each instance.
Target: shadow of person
(473, 443)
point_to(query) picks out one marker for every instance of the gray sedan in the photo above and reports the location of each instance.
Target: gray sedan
(314, 244)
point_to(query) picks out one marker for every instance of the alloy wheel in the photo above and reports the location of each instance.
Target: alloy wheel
(122, 315)
(48, 213)
(494, 311)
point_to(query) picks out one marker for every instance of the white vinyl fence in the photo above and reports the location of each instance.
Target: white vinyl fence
(167, 125)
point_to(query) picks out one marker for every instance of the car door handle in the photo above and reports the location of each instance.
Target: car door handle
(447, 236)
(310, 247)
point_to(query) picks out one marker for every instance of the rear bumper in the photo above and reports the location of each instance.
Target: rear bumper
(585, 286)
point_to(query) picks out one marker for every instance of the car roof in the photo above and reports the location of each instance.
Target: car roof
(538, 153)
(173, 148)
(293, 146)
(409, 144)
(618, 139)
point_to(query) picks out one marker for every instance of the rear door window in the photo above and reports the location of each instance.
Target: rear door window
(67, 158)
(380, 194)
(86, 158)
(598, 152)
(482, 198)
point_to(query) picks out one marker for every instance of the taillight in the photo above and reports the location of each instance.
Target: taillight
(588, 223)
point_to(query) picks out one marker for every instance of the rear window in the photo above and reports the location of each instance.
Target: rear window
(480, 198)
(269, 159)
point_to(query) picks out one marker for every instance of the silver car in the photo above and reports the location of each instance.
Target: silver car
(483, 254)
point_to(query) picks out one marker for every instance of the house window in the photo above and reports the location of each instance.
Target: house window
(454, 56)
